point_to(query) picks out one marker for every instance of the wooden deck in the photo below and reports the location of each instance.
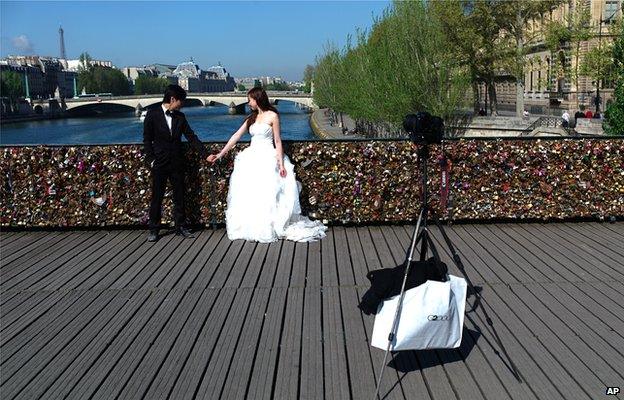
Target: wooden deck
(105, 315)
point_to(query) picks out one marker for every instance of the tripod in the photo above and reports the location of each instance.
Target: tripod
(422, 236)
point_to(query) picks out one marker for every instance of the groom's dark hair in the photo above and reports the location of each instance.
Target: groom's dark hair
(174, 91)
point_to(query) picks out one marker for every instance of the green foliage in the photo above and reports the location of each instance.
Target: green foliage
(150, 85)
(308, 78)
(257, 83)
(98, 79)
(12, 85)
(614, 116)
(402, 65)
(241, 88)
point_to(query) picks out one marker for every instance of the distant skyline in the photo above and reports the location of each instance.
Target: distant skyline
(249, 38)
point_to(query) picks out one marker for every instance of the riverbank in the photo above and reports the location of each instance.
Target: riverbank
(324, 129)
(9, 119)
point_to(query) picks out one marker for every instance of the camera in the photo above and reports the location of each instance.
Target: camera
(424, 127)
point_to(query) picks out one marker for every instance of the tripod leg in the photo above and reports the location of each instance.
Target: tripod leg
(416, 237)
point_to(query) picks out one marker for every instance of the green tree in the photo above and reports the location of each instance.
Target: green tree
(98, 79)
(614, 116)
(241, 87)
(257, 83)
(473, 30)
(513, 17)
(150, 85)
(12, 86)
(362, 81)
(565, 39)
(308, 77)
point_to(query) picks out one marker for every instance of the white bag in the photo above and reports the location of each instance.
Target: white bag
(432, 317)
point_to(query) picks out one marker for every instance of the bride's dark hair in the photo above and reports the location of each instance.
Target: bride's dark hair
(261, 98)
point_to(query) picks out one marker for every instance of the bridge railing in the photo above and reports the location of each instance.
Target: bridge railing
(343, 182)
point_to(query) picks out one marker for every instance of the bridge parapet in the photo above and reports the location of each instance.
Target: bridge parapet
(343, 182)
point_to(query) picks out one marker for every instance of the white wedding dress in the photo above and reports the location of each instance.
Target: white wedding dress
(261, 205)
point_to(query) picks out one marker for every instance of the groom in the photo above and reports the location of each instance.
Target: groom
(162, 138)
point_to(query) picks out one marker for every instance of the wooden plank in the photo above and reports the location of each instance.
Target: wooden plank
(329, 266)
(98, 276)
(70, 269)
(534, 255)
(32, 248)
(360, 369)
(556, 362)
(136, 382)
(299, 265)
(224, 268)
(140, 304)
(137, 332)
(343, 259)
(256, 265)
(24, 278)
(358, 261)
(512, 257)
(592, 249)
(492, 256)
(595, 300)
(336, 378)
(566, 252)
(27, 240)
(285, 265)
(175, 362)
(570, 324)
(188, 382)
(570, 271)
(10, 301)
(287, 379)
(136, 269)
(124, 366)
(184, 262)
(213, 263)
(269, 269)
(244, 352)
(183, 248)
(261, 379)
(28, 362)
(601, 232)
(314, 271)
(196, 266)
(28, 312)
(311, 385)
(53, 320)
(67, 240)
(219, 364)
(87, 344)
(236, 273)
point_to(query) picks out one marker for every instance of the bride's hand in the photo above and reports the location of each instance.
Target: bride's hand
(212, 158)
(282, 171)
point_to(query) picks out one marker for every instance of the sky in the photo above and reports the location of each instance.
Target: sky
(249, 38)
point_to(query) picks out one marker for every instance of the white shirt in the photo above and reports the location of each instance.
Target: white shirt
(566, 116)
(167, 116)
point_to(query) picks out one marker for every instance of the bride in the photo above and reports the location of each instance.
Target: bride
(263, 198)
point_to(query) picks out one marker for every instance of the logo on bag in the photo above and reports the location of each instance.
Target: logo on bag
(434, 317)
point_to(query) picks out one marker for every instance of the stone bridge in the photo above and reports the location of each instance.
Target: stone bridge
(234, 100)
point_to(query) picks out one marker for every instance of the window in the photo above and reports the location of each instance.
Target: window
(610, 11)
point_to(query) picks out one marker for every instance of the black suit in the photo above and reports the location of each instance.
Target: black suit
(164, 154)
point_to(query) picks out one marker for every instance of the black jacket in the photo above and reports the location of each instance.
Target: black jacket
(164, 147)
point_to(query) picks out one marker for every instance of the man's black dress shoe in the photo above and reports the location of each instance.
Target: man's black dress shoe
(153, 236)
(184, 233)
